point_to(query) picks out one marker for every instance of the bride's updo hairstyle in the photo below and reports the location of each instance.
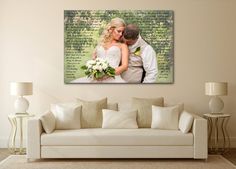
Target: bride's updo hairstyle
(106, 34)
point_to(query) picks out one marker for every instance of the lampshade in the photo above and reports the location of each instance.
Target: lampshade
(21, 88)
(216, 88)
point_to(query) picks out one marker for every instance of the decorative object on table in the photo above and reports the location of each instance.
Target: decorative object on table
(83, 29)
(216, 89)
(21, 89)
(98, 69)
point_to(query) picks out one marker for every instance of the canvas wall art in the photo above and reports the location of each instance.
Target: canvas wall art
(118, 46)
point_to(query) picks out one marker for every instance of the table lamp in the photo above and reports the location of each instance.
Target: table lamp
(21, 89)
(216, 89)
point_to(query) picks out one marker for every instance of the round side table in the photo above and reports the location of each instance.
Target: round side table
(14, 119)
(214, 122)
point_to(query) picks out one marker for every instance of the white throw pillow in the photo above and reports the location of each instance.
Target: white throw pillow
(165, 117)
(66, 104)
(48, 121)
(119, 119)
(144, 107)
(185, 122)
(67, 117)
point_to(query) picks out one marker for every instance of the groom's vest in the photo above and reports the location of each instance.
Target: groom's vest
(135, 68)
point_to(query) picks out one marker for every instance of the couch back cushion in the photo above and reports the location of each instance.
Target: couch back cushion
(112, 106)
(91, 116)
(180, 105)
(144, 107)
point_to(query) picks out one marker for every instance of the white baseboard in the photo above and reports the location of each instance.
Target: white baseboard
(4, 142)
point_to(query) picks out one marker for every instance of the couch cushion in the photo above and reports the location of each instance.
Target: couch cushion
(112, 106)
(111, 137)
(91, 116)
(144, 107)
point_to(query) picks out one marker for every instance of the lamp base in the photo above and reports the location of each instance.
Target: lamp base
(216, 105)
(21, 105)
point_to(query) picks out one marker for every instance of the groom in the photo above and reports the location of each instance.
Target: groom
(142, 58)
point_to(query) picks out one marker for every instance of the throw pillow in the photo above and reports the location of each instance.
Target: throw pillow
(67, 117)
(91, 116)
(165, 117)
(180, 105)
(48, 121)
(112, 106)
(185, 122)
(144, 107)
(119, 119)
(66, 104)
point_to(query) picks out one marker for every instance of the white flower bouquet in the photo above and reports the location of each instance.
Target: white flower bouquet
(98, 69)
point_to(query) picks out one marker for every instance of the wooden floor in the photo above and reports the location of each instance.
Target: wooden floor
(4, 153)
(231, 156)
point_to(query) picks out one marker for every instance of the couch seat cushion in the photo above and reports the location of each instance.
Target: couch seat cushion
(112, 137)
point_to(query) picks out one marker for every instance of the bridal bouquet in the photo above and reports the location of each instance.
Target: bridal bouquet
(98, 69)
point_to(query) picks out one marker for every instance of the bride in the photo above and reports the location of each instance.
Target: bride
(111, 50)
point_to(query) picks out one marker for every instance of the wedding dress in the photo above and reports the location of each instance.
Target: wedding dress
(113, 57)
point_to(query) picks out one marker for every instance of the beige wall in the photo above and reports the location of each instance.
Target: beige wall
(31, 49)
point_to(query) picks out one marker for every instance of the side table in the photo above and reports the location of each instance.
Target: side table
(214, 122)
(14, 119)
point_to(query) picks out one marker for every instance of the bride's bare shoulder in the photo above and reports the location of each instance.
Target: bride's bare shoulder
(121, 45)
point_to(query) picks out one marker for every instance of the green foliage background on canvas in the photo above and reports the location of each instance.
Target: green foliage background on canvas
(82, 29)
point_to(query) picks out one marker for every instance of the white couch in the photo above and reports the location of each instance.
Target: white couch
(117, 143)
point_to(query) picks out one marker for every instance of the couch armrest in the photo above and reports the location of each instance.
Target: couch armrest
(199, 130)
(34, 131)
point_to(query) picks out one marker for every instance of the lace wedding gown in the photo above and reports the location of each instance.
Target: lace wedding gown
(113, 57)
